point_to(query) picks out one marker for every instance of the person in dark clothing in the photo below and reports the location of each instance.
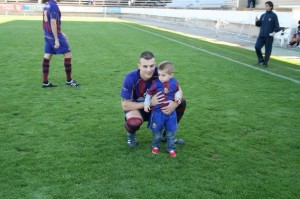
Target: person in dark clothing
(251, 4)
(269, 25)
(296, 37)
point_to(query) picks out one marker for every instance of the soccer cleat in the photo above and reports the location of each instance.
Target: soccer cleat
(49, 85)
(155, 150)
(172, 154)
(72, 83)
(265, 64)
(131, 140)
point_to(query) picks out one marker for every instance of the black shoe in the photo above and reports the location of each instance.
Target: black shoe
(260, 62)
(72, 83)
(49, 85)
(265, 64)
(131, 140)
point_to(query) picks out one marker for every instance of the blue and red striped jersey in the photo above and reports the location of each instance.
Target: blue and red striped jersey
(51, 11)
(134, 87)
(168, 89)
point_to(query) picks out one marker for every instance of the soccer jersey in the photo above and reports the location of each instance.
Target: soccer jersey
(51, 11)
(168, 89)
(134, 87)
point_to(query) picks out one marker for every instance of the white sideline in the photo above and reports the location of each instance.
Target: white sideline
(221, 56)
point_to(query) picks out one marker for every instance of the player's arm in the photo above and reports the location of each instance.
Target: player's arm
(179, 93)
(277, 27)
(54, 31)
(129, 105)
(147, 103)
(257, 21)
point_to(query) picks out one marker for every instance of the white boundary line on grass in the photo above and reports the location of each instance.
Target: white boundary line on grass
(217, 55)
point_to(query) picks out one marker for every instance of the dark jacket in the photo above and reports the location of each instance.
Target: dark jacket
(268, 23)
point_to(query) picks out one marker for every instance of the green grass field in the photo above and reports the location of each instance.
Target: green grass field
(241, 125)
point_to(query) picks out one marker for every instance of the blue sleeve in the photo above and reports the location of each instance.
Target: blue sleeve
(127, 87)
(277, 27)
(54, 11)
(258, 22)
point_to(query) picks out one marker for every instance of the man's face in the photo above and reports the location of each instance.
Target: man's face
(267, 7)
(147, 68)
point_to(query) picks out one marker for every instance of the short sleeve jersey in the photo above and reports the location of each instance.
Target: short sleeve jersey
(168, 89)
(51, 11)
(134, 87)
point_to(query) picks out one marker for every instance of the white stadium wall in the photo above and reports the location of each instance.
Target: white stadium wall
(286, 19)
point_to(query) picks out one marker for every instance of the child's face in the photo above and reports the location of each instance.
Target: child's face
(164, 76)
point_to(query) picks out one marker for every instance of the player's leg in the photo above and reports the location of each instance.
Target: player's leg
(48, 51)
(179, 112)
(68, 68)
(156, 124)
(66, 50)
(268, 50)
(249, 4)
(133, 122)
(180, 109)
(258, 46)
(171, 127)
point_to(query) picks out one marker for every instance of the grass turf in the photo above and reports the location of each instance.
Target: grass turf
(241, 126)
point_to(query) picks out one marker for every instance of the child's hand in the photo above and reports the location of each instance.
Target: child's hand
(147, 108)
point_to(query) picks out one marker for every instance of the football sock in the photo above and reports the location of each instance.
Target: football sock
(46, 66)
(68, 68)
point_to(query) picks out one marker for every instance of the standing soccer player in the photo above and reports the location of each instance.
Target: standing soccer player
(55, 43)
(268, 24)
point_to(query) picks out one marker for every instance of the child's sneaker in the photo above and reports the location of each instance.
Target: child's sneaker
(172, 154)
(155, 150)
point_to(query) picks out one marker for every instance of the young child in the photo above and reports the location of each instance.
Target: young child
(158, 120)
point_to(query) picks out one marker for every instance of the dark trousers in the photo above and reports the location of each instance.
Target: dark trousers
(268, 43)
(251, 2)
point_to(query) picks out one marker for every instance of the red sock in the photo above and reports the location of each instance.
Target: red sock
(46, 67)
(68, 68)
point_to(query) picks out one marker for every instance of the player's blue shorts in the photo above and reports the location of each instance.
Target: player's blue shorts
(49, 45)
(158, 120)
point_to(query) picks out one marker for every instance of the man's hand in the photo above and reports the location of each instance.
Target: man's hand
(57, 44)
(170, 108)
(158, 98)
